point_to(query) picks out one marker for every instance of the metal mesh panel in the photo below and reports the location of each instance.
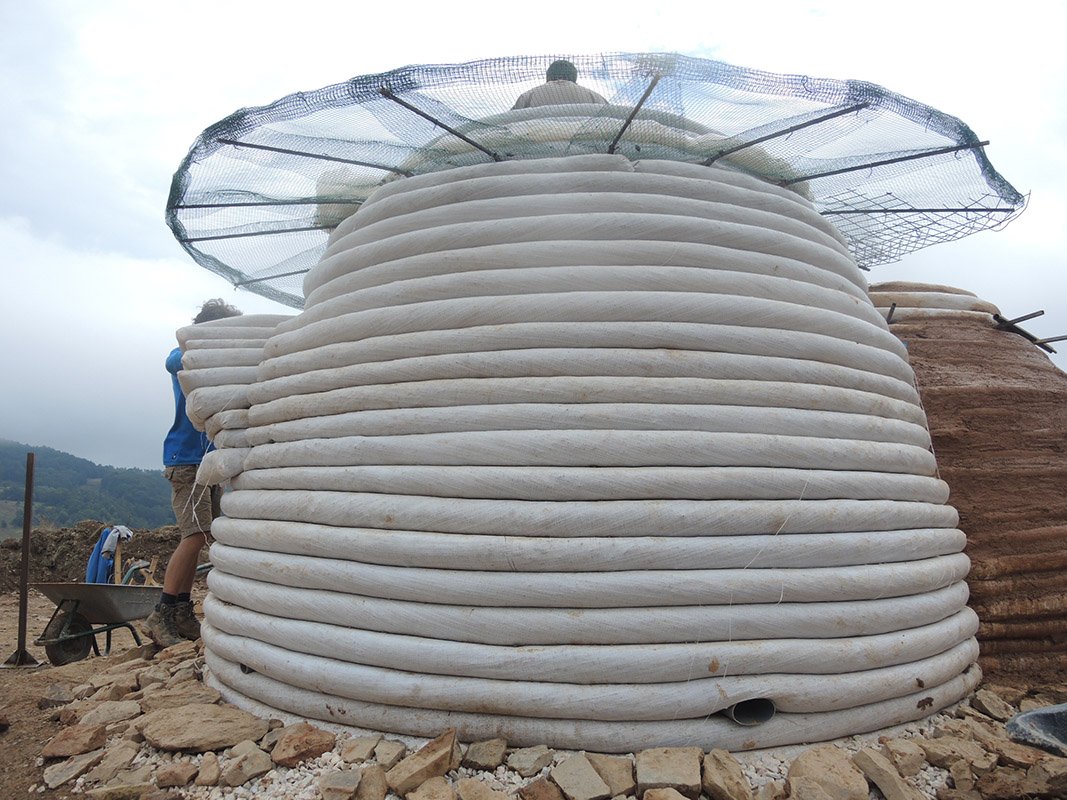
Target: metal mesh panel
(258, 193)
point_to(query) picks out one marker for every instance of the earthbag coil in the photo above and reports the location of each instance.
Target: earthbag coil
(584, 451)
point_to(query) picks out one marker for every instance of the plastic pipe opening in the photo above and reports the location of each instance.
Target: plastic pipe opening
(751, 712)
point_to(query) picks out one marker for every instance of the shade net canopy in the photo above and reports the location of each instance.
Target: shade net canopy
(259, 192)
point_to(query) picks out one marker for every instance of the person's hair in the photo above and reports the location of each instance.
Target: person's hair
(215, 309)
(562, 70)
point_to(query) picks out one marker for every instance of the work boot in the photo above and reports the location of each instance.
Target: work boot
(161, 626)
(185, 620)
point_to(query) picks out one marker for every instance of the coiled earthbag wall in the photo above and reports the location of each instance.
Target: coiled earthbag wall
(582, 451)
(219, 361)
(919, 302)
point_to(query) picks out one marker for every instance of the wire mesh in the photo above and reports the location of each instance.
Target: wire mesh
(258, 193)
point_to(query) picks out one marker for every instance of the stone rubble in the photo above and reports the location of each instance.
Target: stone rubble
(540, 789)
(75, 740)
(59, 773)
(722, 778)
(433, 760)
(118, 758)
(388, 753)
(111, 711)
(529, 761)
(675, 768)
(372, 783)
(176, 774)
(199, 726)
(56, 695)
(148, 728)
(487, 755)
(663, 793)
(992, 706)
(905, 755)
(831, 770)
(210, 770)
(359, 749)
(300, 742)
(772, 790)
(251, 763)
(474, 789)
(577, 779)
(880, 771)
(617, 772)
(436, 788)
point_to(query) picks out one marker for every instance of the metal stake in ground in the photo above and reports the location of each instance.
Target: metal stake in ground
(21, 657)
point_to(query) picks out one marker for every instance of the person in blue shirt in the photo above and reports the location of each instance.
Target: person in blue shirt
(195, 505)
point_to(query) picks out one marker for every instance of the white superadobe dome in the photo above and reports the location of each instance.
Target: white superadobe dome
(581, 451)
(587, 432)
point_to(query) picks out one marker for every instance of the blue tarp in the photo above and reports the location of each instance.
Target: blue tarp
(101, 566)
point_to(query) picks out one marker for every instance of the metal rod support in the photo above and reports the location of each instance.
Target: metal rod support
(1011, 327)
(21, 657)
(255, 233)
(1025, 317)
(239, 284)
(318, 156)
(388, 94)
(889, 316)
(1051, 339)
(871, 164)
(920, 211)
(272, 203)
(786, 131)
(630, 118)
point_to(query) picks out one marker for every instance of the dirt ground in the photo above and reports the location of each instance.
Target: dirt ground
(58, 556)
(21, 688)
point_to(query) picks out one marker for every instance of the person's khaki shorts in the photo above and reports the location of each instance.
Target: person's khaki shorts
(195, 505)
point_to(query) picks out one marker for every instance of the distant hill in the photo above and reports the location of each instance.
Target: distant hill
(68, 489)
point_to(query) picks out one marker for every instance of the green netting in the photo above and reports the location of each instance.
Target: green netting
(258, 193)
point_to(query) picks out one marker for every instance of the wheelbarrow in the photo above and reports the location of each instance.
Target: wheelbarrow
(84, 610)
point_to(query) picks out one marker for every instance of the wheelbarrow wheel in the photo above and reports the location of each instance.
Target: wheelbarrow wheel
(74, 646)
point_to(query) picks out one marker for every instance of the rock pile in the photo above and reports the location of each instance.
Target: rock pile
(147, 727)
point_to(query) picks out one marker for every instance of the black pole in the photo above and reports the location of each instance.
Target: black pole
(1024, 317)
(387, 93)
(255, 233)
(785, 132)
(964, 210)
(871, 164)
(319, 156)
(21, 657)
(272, 277)
(1010, 326)
(630, 119)
(314, 202)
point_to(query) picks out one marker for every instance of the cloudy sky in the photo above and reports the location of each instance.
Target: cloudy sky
(102, 99)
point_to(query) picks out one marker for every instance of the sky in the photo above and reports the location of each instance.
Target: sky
(101, 101)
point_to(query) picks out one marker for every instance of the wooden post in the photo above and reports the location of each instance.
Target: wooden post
(118, 561)
(21, 657)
